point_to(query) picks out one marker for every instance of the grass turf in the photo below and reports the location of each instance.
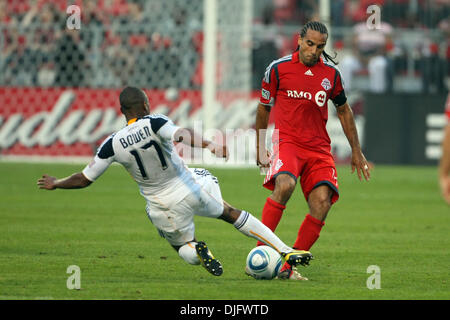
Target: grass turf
(396, 221)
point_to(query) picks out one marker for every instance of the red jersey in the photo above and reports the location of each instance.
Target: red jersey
(299, 95)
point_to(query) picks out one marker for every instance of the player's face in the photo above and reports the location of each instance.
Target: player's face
(311, 47)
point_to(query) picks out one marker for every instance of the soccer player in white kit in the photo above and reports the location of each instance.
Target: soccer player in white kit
(174, 193)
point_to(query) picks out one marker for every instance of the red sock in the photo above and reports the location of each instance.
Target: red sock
(271, 215)
(307, 234)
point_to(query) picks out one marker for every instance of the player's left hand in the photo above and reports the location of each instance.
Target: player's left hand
(361, 165)
(46, 182)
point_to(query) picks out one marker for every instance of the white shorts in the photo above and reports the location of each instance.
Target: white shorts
(176, 224)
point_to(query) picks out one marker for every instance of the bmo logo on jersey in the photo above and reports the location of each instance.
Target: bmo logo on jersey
(299, 95)
(320, 97)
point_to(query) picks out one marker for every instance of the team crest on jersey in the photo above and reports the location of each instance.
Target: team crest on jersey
(278, 165)
(265, 94)
(326, 84)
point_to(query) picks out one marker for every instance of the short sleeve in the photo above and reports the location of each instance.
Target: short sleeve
(164, 127)
(96, 168)
(338, 93)
(269, 86)
(102, 160)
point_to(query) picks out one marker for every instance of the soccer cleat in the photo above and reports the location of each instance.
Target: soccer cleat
(291, 274)
(207, 259)
(297, 257)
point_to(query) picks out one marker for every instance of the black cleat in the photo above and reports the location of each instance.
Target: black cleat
(207, 259)
(297, 257)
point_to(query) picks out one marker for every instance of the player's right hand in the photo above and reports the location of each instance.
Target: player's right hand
(46, 182)
(263, 158)
(360, 163)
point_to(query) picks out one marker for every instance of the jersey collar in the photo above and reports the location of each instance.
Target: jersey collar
(296, 59)
(132, 121)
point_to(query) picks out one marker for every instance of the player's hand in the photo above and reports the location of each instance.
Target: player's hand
(361, 165)
(263, 158)
(445, 188)
(220, 151)
(47, 182)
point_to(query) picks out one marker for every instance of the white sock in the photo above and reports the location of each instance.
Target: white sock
(188, 253)
(252, 227)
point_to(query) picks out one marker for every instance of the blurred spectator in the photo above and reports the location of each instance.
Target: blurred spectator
(70, 60)
(191, 41)
(444, 26)
(91, 15)
(264, 48)
(142, 55)
(432, 67)
(337, 13)
(197, 76)
(143, 38)
(153, 64)
(401, 13)
(431, 12)
(8, 37)
(48, 23)
(113, 8)
(434, 57)
(116, 63)
(293, 12)
(17, 70)
(369, 48)
(18, 8)
(136, 14)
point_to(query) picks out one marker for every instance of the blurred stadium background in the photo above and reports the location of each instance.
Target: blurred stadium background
(203, 60)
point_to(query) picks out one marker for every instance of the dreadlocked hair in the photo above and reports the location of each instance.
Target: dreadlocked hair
(320, 27)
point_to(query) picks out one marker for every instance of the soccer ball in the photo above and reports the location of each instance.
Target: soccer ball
(263, 262)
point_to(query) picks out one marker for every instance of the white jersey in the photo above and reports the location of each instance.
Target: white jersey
(145, 148)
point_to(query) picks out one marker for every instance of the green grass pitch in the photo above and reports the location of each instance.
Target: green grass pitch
(396, 221)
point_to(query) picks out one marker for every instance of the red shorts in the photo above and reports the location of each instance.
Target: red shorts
(314, 168)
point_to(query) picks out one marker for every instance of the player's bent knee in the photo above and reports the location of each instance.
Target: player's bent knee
(284, 187)
(230, 214)
(324, 204)
(288, 188)
(188, 253)
(321, 204)
(320, 199)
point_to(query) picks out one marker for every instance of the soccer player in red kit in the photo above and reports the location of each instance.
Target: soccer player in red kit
(296, 90)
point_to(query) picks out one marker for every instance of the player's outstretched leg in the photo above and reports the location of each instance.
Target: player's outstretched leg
(207, 260)
(252, 227)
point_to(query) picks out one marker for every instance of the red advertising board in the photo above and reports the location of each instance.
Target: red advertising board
(60, 122)
(69, 122)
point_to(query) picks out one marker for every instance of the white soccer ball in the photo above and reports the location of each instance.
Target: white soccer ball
(263, 262)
